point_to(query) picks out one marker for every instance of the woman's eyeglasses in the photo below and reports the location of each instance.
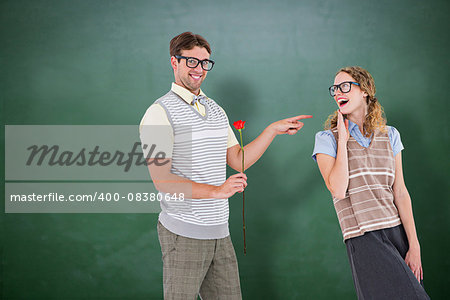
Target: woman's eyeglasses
(345, 87)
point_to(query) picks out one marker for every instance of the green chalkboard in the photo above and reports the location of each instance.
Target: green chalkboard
(105, 62)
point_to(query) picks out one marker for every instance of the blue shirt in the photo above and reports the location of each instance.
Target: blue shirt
(326, 143)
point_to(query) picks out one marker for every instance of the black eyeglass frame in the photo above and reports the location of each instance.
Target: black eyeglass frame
(198, 62)
(338, 86)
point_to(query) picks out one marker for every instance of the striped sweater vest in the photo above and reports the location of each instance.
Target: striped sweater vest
(369, 201)
(199, 154)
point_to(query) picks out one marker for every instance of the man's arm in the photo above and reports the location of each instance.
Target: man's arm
(255, 149)
(167, 182)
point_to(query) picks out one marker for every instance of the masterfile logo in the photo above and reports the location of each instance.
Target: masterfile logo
(55, 156)
(85, 168)
(84, 152)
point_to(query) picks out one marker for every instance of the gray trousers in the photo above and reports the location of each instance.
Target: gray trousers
(193, 267)
(377, 260)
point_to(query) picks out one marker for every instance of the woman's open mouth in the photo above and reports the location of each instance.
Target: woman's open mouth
(342, 101)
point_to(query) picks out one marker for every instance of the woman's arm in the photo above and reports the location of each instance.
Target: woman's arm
(403, 202)
(335, 170)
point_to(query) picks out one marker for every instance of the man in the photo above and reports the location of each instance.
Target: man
(197, 252)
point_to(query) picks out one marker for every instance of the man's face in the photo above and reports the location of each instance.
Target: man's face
(190, 78)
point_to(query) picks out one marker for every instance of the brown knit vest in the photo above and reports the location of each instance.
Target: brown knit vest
(369, 201)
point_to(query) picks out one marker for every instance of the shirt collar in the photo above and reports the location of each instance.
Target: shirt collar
(351, 126)
(185, 94)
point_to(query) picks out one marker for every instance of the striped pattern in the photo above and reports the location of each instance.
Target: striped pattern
(369, 202)
(199, 154)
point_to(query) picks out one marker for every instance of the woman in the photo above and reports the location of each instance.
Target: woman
(359, 158)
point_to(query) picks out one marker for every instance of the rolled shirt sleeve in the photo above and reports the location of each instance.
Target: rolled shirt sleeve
(154, 128)
(232, 140)
(325, 143)
(394, 138)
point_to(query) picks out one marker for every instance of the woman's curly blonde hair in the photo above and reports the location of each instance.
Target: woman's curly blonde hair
(375, 118)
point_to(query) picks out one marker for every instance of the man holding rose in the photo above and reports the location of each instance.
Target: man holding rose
(197, 252)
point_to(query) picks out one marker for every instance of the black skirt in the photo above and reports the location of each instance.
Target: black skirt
(379, 271)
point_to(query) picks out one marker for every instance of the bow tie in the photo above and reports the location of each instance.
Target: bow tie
(200, 99)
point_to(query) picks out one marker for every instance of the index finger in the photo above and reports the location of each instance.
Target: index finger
(299, 117)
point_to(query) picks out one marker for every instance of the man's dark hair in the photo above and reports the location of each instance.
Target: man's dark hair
(187, 41)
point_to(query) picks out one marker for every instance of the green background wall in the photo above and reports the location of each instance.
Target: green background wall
(105, 62)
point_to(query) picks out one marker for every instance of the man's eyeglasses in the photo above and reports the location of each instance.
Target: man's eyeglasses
(345, 87)
(192, 62)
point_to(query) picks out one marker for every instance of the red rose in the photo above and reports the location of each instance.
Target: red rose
(239, 124)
